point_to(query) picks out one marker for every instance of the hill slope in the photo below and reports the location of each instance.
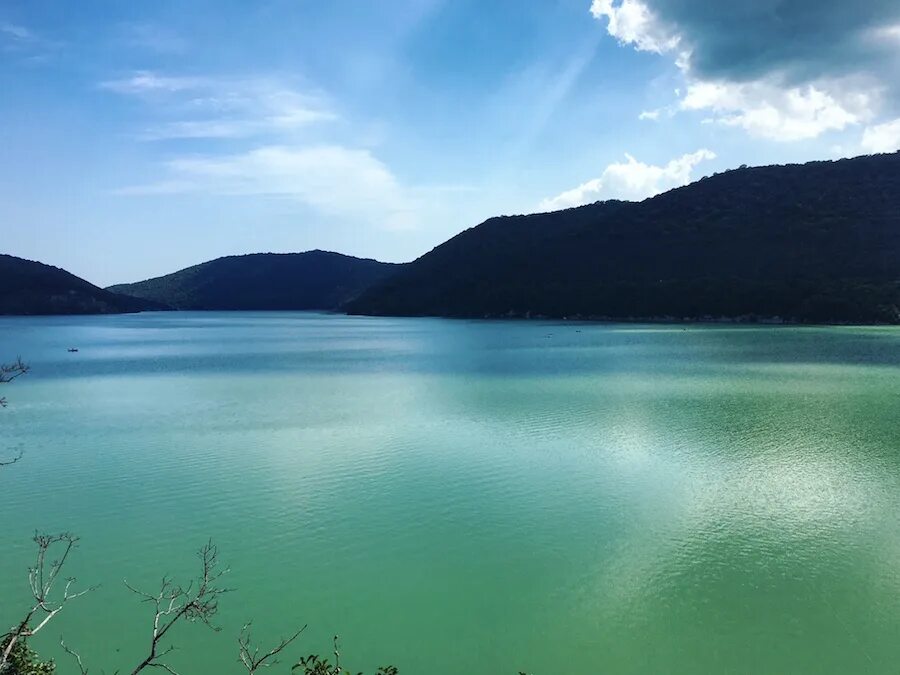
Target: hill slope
(264, 281)
(28, 287)
(811, 242)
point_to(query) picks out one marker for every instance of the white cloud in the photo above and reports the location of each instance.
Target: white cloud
(275, 115)
(219, 107)
(146, 82)
(882, 137)
(764, 107)
(630, 180)
(650, 114)
(332, 179)
(632, 22)
(887, 33)
(777, 113)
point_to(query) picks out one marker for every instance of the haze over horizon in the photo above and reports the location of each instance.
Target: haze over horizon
(141, 140)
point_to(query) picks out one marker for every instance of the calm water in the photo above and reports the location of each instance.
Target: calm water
(468, 497)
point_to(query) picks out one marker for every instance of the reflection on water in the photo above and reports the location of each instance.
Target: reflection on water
(475, 497)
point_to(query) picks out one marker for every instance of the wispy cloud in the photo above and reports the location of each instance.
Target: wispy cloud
(25, 44)
(146, 82)
(210, 107)
(650, 114)
(631, 180)
(152, 37)
(15, 32)
(273, 112)
(332, 179)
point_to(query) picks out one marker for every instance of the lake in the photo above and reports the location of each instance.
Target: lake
(466, 496)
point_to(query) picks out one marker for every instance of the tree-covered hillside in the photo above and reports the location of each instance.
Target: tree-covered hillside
(28, 287)
(817, 242)
(264, 281)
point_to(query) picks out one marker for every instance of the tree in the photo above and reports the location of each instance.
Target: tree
(16, 658)
(250, 656)
(172, 604)
(198, 601)
(315, 665)
(24, 661)
(8, 373)
(42, 577)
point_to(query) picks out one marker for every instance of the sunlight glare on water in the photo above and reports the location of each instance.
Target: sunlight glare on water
(467, 497)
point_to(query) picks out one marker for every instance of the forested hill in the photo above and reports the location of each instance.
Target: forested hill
(28, 287)
(264, 281)
(817, 242)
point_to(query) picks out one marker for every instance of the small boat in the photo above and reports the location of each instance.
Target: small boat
(73, 349)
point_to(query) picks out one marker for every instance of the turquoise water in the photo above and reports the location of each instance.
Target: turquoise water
(467, 497)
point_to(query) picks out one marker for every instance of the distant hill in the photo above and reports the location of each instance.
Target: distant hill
(264, 281)
(817, 242)
(28, 287)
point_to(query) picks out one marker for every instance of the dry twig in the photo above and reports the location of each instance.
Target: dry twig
(250, 656)
(41, 578)
(9, 372)
(76, 655)
(199, 601)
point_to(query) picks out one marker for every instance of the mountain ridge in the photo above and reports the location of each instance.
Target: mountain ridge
(814, 242)
(320, 280)
(29, 287)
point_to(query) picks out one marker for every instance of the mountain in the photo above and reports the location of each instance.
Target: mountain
(264, 281)
(28, 287)
(817, 242)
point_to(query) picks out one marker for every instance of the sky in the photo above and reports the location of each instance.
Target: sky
(138, 138)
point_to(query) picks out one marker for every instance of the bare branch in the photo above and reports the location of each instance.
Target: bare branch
(199, 601)
(250, 656)
(168, 669)
(17, 457)
(9, 372)
(76, 655)
(41, 578)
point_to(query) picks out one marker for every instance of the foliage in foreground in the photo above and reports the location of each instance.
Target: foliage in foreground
(172, 604)
(315, 665)
(23, 660)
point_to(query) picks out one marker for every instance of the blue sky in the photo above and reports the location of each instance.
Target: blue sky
(137, 138)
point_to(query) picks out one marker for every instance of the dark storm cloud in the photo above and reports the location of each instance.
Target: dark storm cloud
(743, 40)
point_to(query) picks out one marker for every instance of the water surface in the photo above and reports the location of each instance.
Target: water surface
(467, 497)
